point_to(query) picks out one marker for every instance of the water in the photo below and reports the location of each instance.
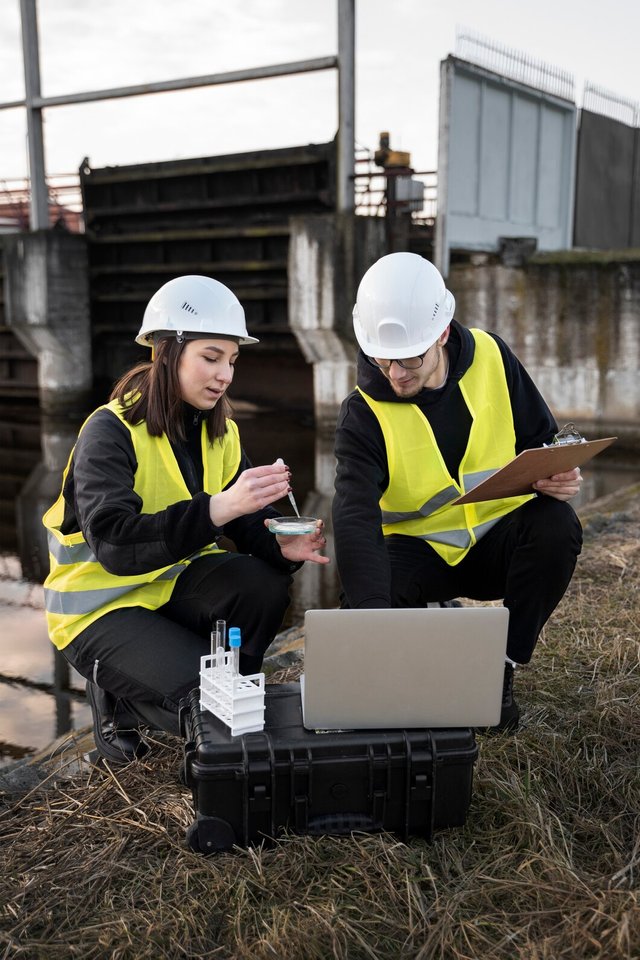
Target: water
(36, 703)
(39, 701)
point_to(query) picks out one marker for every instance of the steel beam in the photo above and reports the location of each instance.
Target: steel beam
(12, 104)
(345, 187)
(166, 86)
(35, 102)
(39, 194)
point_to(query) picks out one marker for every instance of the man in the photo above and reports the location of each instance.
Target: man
(436, 406)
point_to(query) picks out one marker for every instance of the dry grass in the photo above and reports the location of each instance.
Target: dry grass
(546, 868)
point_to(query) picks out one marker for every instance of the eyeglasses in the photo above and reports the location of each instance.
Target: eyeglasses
(409, 363)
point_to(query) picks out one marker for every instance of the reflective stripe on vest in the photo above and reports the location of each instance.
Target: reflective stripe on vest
(78, 589)
(418, 500)
(85, 601)
(73, 553)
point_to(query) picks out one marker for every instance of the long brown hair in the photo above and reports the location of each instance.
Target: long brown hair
(150, 391)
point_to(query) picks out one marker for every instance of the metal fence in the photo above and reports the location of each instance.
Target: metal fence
(596, 99)
(514, 64)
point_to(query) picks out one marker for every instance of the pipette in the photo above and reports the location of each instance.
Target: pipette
(292, 499)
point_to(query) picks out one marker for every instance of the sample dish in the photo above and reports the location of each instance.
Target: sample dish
(291, 526)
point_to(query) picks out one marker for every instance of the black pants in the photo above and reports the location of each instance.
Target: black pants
(149, 659)
(527, 559)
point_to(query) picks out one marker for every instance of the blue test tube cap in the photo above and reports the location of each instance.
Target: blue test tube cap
(234, 637)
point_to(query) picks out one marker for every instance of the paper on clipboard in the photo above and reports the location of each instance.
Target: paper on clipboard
(517, 476)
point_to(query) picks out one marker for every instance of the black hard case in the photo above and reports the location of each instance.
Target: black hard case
(247, 789)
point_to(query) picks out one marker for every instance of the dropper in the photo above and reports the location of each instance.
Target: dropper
(292, 499)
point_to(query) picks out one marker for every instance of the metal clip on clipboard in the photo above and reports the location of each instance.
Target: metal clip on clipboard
(568, 434)
(518, 476)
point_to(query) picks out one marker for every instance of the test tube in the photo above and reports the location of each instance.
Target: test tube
(221, 633)
(234, 645)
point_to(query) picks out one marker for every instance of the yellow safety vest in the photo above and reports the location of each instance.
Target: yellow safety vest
(417, 501)
(78, 589)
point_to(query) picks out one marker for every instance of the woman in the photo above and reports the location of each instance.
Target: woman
(156, 477)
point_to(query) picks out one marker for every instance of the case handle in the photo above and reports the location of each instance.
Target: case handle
(341, 823)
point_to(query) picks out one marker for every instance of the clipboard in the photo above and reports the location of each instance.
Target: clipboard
(518, 476)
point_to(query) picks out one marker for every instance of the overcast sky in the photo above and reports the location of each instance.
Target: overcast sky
(93, 44)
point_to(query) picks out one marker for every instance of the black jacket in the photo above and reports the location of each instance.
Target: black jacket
(362, 473)
(101, 502)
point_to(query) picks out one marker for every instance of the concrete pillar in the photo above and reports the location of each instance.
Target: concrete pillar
(39, 492)
(327, 256)
(47, 307)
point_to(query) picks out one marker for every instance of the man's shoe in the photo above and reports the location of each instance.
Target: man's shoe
(118, 745)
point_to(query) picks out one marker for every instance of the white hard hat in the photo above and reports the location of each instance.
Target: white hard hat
(192, 306)
(401, 308)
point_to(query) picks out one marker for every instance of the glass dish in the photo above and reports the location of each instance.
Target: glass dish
(291, 526)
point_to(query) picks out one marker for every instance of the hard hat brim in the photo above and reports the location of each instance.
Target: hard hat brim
(146, 339)
(372, 349)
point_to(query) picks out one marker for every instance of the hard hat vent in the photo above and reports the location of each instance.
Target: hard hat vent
(188, 308)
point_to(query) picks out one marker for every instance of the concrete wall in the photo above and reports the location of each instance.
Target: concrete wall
(574, 321)
(328, 255)
(47, 307)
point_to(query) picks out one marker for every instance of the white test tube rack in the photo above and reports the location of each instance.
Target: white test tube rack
(236, 700)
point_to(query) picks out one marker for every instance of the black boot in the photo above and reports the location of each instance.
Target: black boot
(118, 742)
(510, 711)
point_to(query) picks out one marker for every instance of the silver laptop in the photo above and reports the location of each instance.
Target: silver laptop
(433, 667)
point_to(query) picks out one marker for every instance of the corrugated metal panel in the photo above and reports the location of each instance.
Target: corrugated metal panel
(506, 164)
(607, 183)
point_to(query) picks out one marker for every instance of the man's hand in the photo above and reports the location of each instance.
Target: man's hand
(254, 489)
(561, 486)
(305, 546)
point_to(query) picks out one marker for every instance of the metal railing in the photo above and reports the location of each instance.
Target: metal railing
(64, 202)
(608, 104)
(372, 189)
(514, 64)
(35, 103)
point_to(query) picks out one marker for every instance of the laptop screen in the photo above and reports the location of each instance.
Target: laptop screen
(417, 667)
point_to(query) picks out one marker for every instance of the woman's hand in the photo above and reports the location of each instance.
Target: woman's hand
(304, 546)
(254, 489)
(561, 486)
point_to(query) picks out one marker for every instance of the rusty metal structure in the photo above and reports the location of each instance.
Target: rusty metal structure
(226, 217)
(19, 422)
